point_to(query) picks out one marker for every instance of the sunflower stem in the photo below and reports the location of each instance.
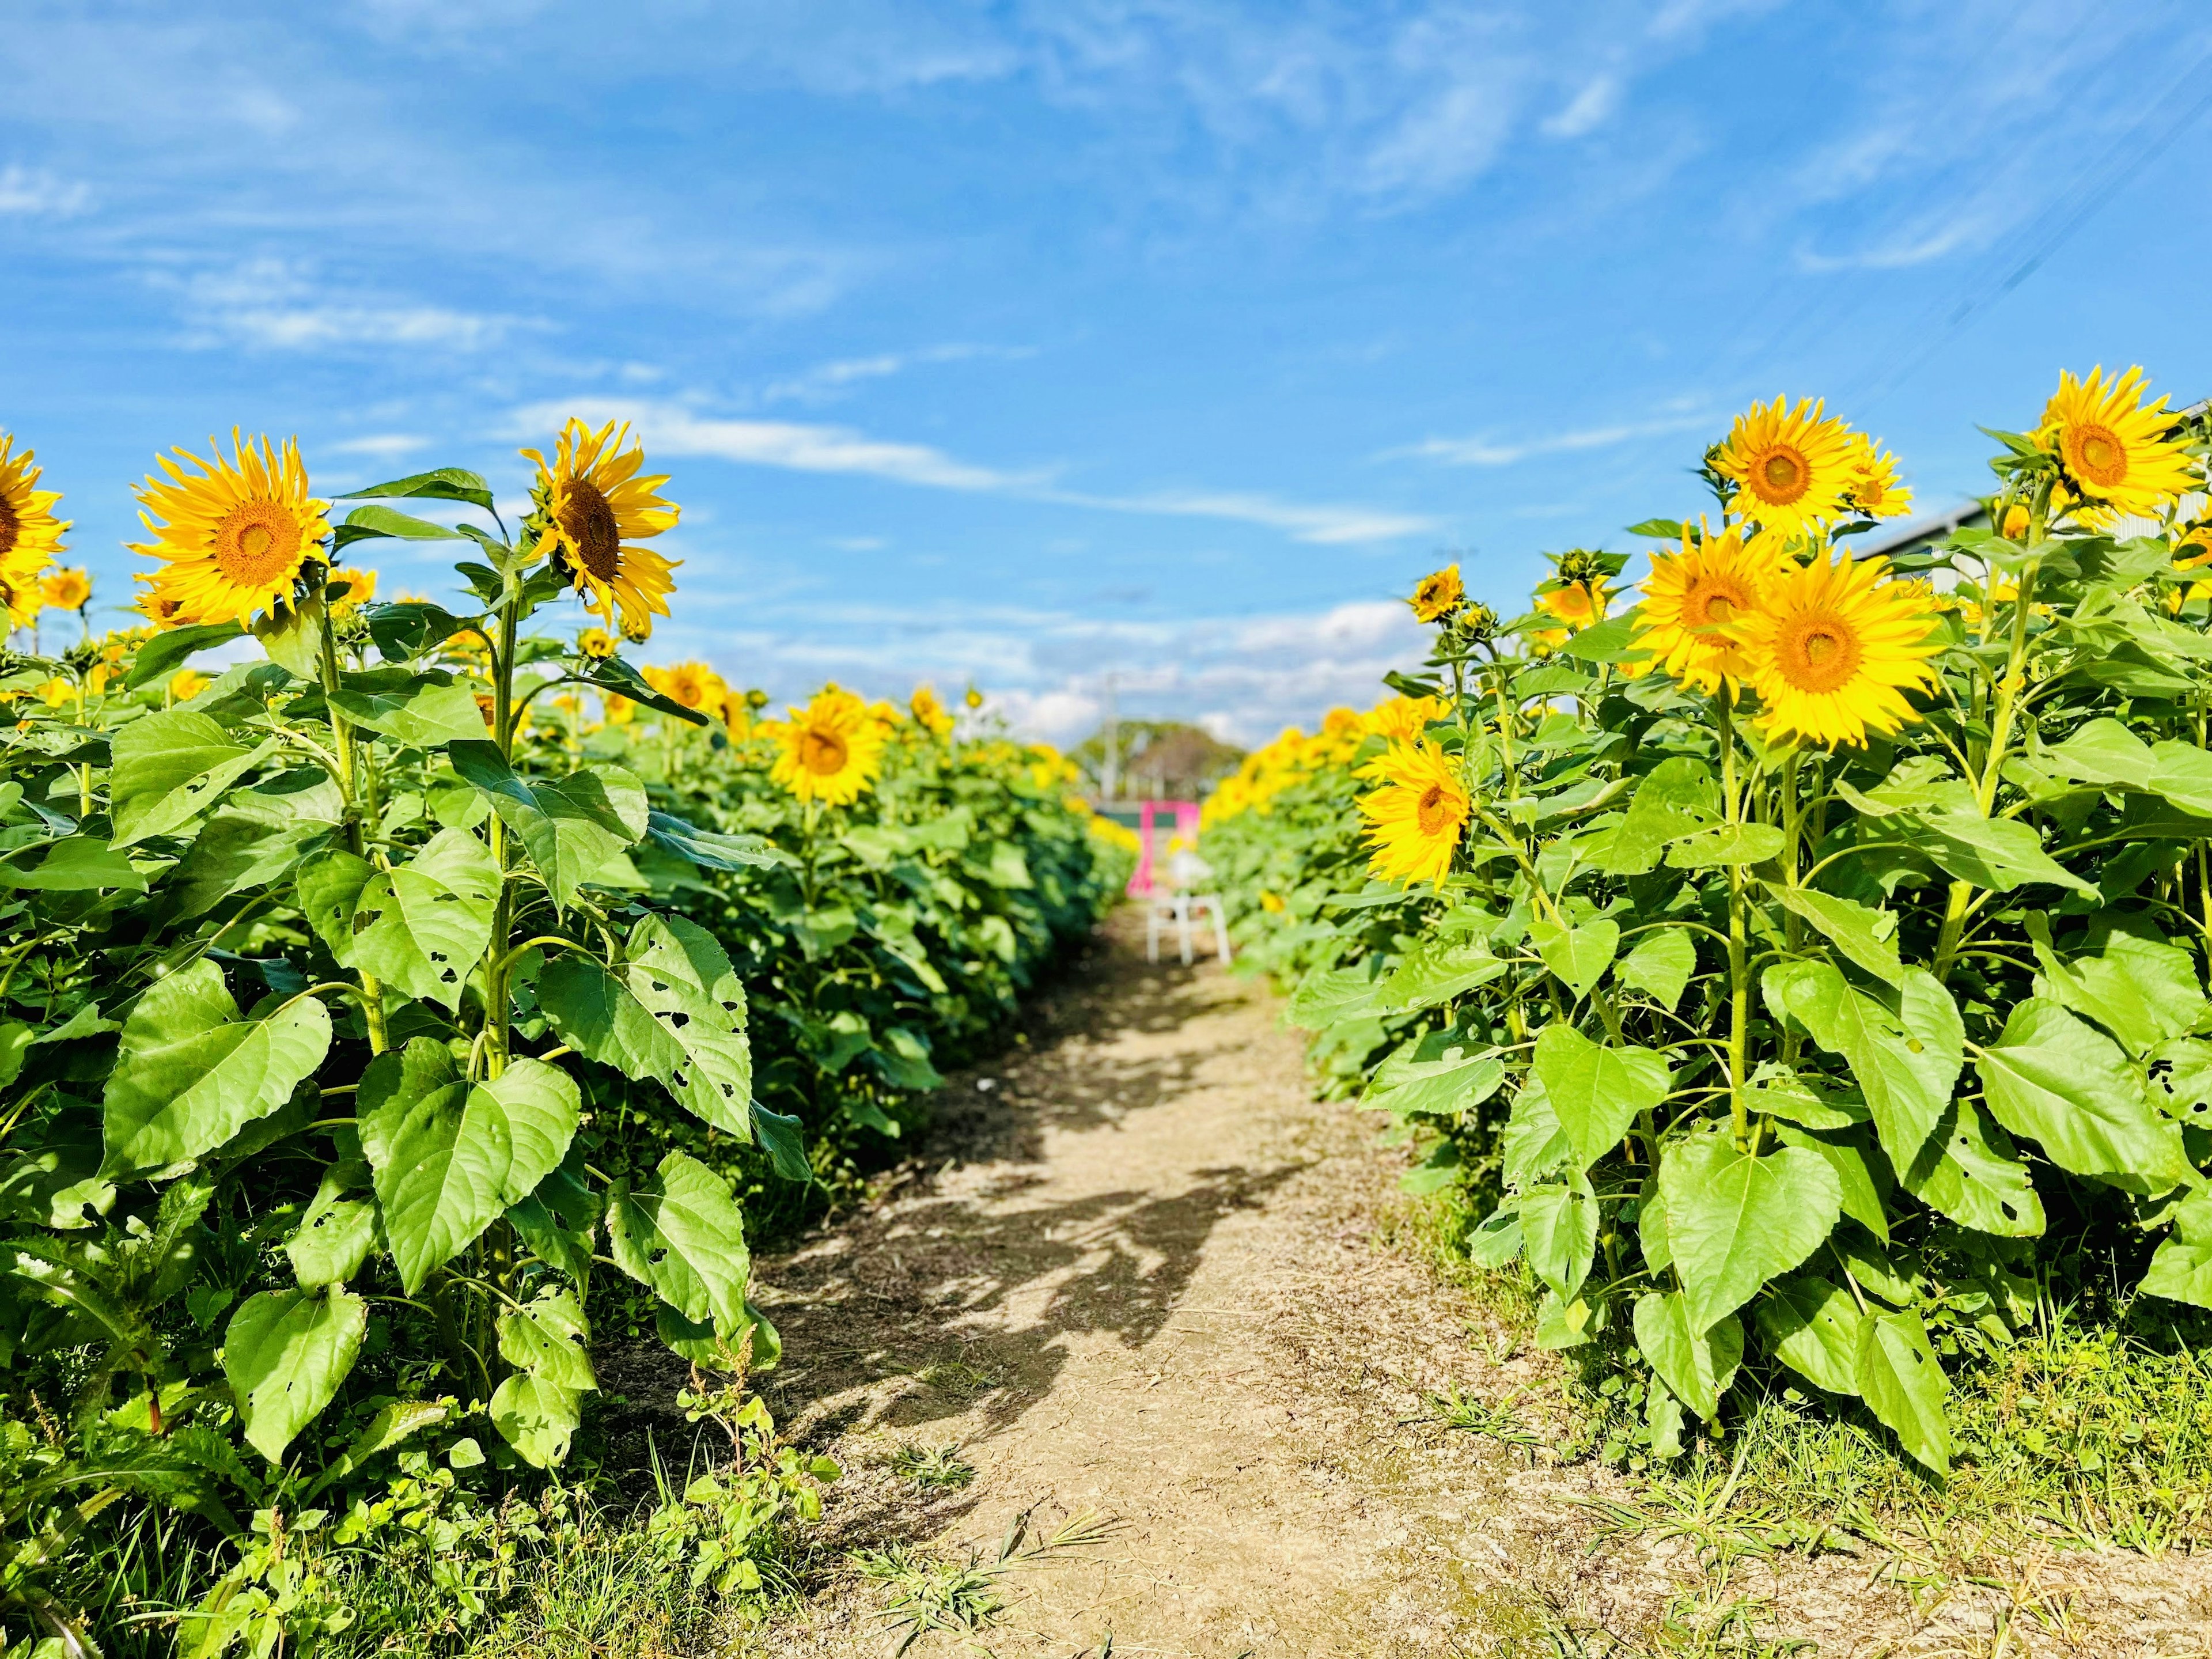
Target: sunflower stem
(1739, 966)
(498, 967)
(372, 992)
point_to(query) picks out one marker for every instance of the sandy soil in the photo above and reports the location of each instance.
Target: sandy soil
(1139, 1274)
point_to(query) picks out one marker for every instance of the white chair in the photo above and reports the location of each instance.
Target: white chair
(1179, 905)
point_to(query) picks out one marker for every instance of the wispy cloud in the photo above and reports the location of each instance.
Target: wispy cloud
(380, 446)
(1491, 452)
(1965, 232)
(279, 304)
(799, 446)
(1588, 110)
(1244, 677)
(827, 380)
(35, 192)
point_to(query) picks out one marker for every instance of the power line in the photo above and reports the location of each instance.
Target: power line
(2051, 230)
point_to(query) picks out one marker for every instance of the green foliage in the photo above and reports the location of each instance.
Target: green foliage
(1782, 1059)
(355, 1016)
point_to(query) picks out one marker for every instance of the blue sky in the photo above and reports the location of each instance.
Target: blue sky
(1033, 341)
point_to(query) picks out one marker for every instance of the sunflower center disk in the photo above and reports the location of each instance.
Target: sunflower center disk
(589, 523)
(822, 753)
(256, 544)
(2102, 458)
(10, 528)
(1782, 477)
(1433, 814)
(1820, 653)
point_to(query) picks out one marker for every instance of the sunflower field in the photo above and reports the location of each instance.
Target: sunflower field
(1797, 957)
(401, 1003)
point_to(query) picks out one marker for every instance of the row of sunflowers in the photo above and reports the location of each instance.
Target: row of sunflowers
(402, 1000)
(1795, 961)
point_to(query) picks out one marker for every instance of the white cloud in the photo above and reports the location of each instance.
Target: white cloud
(1589, 110)
(1269, 671)
(279, 304)
(35, 192)
(1490, 451)
(1917, 246)
(381, 445)
(827, 380)
(798, 446)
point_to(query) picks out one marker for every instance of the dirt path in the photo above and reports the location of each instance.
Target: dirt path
(1139, 1279)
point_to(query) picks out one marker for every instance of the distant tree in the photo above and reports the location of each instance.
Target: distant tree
(1160, 759)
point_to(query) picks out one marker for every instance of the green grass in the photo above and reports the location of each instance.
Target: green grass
(935, 1466)
(931, 1590)
(2079, 1433)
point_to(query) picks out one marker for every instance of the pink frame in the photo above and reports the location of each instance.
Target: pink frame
(1186, 826)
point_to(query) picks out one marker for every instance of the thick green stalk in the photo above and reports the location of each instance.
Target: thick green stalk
(372, 992)
(1738, 953)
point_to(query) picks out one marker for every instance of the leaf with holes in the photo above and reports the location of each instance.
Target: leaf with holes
(1559, 1223)
(577, 829)
(683, 1234)
(548, 1337)
(1903, 1384)
(1969, 1171)
(420, 926)
(191, 1073)
(1579, 956)
(2066, 1085)
(1812, 1325)
(285, 1353)
(537, 1416)
(1660, 965)
(450, 1156)
(169, 768)
(673, 1011)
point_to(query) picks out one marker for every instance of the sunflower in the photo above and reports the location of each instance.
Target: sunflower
(1415, 819)
(1833, 649)
(360, 589)
(592, 505)
(56, 691)
(1576, 603)
(1404, 719)
(22, 597)
(30, 534)
(1791, 466)
(2116, 451)
(1873, 489)
(66, 590)
(186, 684)
(596, 643)
(1690, 598)
(974, 698)
(619, 711)
(930, 711)
(832, 750)
(692, 684)
(1438, 594)
(232, 535)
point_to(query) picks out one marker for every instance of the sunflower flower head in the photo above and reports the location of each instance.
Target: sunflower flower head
(1873, 489)
(830, 750)
(2117, 452)
(1834, 647)
(596, 643)
(694, 684)
(186, 684)
(1404, 719)
(360, 587)
(30, 534)
(592, 510)
(930, 710)
(232, 535)
(974, 698)
(1576, 604)
(1416, 819)
(66, 590)
(1790, 467)
(1437, 595)
(1693, 598)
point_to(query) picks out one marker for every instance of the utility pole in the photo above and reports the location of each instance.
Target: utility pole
(1110, 776)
